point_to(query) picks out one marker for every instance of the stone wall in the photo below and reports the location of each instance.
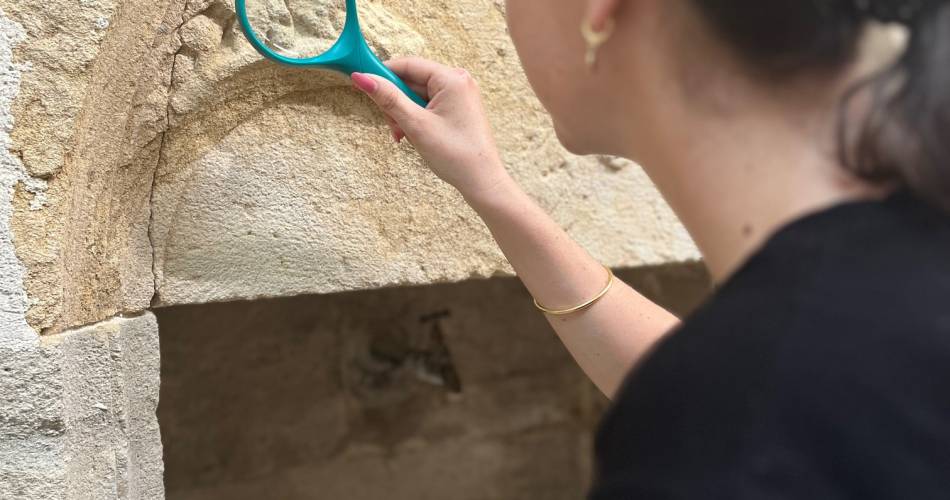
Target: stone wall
(441, 392)
(148, 157)
(77, 409)
(77, 413)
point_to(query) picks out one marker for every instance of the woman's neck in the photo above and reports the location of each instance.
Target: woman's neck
(736, 160)
(734, 181)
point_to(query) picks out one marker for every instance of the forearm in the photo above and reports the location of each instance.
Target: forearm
(608, 338)
(454, 135)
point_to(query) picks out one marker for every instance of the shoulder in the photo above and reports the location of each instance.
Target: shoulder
(680, 421)
(825, 355)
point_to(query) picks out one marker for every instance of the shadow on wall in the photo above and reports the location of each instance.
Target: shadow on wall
(455, 391)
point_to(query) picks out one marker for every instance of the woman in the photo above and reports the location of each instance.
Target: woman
(818, 197)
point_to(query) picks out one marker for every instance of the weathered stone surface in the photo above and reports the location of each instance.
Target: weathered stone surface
(89, 117)
(77, 412)
(152, 128)
(278, 181)
(451, 391)
(77, 409)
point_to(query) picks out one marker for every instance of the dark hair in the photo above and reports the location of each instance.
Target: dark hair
(905, 135)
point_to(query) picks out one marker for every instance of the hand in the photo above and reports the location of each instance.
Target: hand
(452, 133)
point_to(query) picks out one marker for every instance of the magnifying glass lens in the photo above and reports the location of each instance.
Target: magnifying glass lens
(297, 29)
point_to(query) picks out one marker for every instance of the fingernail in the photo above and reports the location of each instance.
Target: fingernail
(363, 82)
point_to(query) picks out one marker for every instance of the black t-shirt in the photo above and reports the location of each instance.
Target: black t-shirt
(819, 370)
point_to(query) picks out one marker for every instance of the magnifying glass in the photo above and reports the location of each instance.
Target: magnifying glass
(268, 25)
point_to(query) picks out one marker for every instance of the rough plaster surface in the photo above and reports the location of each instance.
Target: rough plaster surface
(454, 391)
(13, 302)
(152, 129)
(77, 413)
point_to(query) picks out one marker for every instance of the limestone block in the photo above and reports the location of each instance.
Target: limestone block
(77, 419)
(279, 181)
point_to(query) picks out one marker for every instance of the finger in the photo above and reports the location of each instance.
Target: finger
(416, 70)
(438, 77)
(422, 90)
(392, 126)
(392, 101)
(396, 131)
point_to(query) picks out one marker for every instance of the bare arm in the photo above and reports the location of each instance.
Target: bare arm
(608, 338)
(452, 134)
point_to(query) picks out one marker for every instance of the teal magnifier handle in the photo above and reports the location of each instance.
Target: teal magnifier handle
(373, 65)
(350, 54)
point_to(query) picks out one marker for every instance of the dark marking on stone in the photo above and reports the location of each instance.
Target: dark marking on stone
(423, 352)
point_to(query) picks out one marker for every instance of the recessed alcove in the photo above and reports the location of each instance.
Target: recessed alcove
(457, 391)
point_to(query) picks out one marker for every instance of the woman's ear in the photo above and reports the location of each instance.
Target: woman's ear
(600, 12)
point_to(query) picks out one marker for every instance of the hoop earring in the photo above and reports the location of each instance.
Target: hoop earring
(594, 40)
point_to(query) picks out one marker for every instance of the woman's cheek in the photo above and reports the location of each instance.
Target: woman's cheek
(548, 43)
(531, 26)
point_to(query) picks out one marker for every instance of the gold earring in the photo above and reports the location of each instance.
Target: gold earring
(595, 39)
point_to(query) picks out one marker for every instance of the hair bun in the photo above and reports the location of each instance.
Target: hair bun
(896, 11)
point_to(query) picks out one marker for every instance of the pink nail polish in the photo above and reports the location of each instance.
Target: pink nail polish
(363, 82)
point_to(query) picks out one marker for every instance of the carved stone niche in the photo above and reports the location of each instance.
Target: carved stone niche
(454, 391)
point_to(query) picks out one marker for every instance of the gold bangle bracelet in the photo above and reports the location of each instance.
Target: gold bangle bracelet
(585, 305)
